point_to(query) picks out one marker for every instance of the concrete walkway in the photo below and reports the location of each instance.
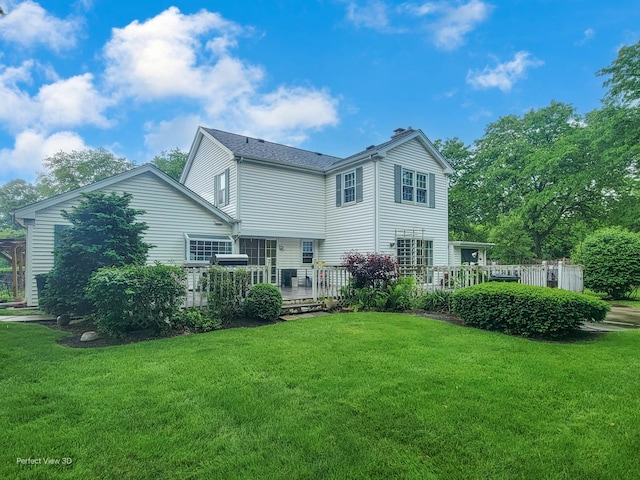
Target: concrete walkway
(27, 318)
(618, 319)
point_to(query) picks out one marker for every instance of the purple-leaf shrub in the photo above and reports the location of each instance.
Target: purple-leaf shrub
(371, 269)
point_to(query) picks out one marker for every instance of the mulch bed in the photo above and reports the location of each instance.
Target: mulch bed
(78, 327)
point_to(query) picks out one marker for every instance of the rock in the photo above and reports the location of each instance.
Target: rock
(89, 336)
(63, 320)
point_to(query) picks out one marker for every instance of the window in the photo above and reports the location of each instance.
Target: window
(259, 250)
(349, 187)
(407, 185)
(413, 252)
(414, 187)
(221, 186)
(307, 251)
(202, 248)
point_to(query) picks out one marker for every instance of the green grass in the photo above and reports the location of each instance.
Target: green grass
(341, 397)
(14, 312)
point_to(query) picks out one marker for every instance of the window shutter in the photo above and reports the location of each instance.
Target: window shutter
(358, 184)
(397, 182)
(432, 191)
(339, 190)
(227, 186)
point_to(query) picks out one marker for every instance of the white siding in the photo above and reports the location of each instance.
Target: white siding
(351, 226)
(290, 256)
(281, 202)
(211, 160)
(412, 217)
(169, 215)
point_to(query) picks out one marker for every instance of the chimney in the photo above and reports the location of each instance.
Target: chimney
(400, 131)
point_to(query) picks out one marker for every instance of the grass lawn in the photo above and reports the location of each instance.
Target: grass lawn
(345, 396)
(14, 312)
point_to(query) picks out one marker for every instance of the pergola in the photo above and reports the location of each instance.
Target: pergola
(13, 250)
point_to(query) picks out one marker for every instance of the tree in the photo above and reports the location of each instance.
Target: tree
(104, 233)
(171, 162)
(15, 194)
(543, 168)
(68, 170)
(624, 81)
(611, 259)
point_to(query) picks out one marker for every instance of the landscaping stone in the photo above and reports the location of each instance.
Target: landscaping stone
(63, 320)
(89, 336)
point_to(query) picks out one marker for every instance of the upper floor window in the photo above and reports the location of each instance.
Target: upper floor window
(221, 186)
(349, 187)
(414, 187)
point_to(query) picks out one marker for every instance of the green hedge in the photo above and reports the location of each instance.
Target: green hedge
(518, 309)
(136, 297)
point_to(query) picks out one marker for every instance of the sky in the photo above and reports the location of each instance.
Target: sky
(332, 76)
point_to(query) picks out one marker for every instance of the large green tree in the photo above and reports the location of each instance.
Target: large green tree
(624, 77)
(104, 233)
(543, 168)
(171, 162)
(15, 194)
(68, 170)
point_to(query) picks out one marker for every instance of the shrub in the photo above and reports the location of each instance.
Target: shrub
(226, 292)
(398, 296)
(103, 234)
(435, 301)
(611, 259)
(136, 297)
(197, 320)
(264, 301)
(518, 309)
(370, 270)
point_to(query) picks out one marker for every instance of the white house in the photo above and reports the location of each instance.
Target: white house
(295, 207)
(275, 203)
(182, 225)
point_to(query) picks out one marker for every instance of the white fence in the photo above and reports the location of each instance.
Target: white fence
(327, 281)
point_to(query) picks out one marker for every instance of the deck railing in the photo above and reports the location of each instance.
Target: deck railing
(328, 281)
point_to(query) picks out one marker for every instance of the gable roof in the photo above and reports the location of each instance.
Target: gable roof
(29, 212)
(401, 136)
(256, 148)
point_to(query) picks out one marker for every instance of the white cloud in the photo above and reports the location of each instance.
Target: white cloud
(503, 75)
(588, 34)
(72, 102)
(372, 15)
(31, 148)
(175, 133)
(63, 103)
(29, 25)
(163, 57)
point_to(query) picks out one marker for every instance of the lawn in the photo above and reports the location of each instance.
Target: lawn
(357, 395)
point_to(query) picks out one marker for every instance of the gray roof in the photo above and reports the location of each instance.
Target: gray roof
(243, 145)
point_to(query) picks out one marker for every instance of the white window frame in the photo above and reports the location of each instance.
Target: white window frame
(203, 241)
(351, 188)
(417, 188)
(414, 252)
(306, 259)
(221, 185)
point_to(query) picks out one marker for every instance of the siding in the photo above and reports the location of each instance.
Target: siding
(211, 160)
(169, 215)
(402, 216)
(351, 226)
(280, 202)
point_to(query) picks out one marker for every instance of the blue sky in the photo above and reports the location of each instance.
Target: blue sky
(327, 75)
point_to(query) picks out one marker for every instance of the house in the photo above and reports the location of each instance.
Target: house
(293, 207)
(279, 205)
(172, 212)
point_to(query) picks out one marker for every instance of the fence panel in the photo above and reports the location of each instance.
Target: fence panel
(571, 277)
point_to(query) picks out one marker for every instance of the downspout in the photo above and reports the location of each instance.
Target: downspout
(238, 225)
(376, 208)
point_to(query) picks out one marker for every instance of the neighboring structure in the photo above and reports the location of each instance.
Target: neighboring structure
(176, 218)
(294, 207)
(279, 205)
(468, 253)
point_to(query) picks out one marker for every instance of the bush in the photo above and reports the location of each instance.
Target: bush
(136, 297)
(103, 234)
(264, 301)
(611, 259)
(370, 270)
(226, 292)
(435, 301)
(518, 309)
(398, 296)
(197, 320)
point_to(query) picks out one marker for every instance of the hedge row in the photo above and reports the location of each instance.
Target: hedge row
(518, 309)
